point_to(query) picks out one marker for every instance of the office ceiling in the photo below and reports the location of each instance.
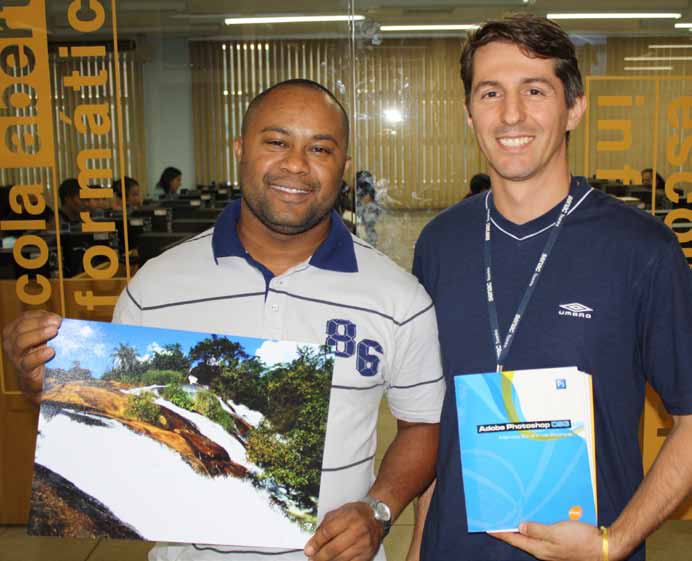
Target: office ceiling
(199, 19)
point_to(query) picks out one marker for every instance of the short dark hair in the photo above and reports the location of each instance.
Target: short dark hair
(479, 182)
(168, 175)
(660, 182)
(68, 189)
(298, 83)
(118, 186)
(537, 37)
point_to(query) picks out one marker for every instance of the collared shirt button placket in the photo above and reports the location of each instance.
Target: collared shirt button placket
(274, 308)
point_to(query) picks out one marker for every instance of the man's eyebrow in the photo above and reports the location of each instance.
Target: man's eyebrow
(275, 129)
(486, 83)
(538, 79)
(529, 80)
(328, 137)
(281, 130)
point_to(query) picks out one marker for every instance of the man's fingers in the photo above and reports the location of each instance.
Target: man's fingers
(37, 326)
(31, 367)
(517, 540)
(40, 314)
(535, 530)
(354, 553)
(322, 535)
(335, 548)
(29, 341)
(346, 534)
(29, 321)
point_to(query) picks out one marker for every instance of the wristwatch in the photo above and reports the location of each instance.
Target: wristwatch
(381, 512)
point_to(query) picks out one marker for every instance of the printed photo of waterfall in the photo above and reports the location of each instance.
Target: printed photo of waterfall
(178, 436)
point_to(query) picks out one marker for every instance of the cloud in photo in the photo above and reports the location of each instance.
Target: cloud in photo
(84, 343)
(275, 352)
(151, 349)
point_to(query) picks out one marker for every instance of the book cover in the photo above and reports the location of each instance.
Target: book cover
(178, 436)
(527, 447)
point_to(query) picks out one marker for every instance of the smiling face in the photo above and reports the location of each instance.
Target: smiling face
(292, 159)
(518, 111)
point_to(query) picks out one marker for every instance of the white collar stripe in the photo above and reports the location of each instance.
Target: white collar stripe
(538, 232)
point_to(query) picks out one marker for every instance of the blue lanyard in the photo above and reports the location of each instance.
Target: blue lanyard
(502, 349)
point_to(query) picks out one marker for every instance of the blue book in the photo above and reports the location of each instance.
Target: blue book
(527, 447)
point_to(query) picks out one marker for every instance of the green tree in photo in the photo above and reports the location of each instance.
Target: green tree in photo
(171, 358)
(60, 376)
(126, 366)
(142, 407)
(178, 396)
(288, 443)
(161, 377)
(243, 384)
(206, 403)
(212, 355)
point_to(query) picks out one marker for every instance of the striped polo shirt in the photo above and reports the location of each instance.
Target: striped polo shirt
(377, 317)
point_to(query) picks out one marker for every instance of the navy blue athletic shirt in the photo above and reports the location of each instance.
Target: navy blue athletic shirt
(614, 299)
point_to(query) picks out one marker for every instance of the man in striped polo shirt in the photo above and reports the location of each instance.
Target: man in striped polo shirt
(281, 264)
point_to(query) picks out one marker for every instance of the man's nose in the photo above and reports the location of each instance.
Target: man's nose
(295, 161)
(513, 110)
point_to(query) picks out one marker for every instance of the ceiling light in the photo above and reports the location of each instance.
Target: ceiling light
(676, 46)
(616, 15)
(459, 27)
(656, 58)
(291, 19)
(648, 68)
(683, 25)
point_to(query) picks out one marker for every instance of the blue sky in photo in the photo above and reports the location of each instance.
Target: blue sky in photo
(92, 344)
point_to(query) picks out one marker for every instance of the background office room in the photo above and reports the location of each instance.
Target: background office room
(119, 119)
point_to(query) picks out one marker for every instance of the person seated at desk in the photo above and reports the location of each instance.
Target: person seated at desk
(98, 206)
(9, 236)
(71, 204)
(662, 201)
(7, 213)
(133, 193)
(170, 181)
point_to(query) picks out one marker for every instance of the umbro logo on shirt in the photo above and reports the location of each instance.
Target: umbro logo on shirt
(575, 310)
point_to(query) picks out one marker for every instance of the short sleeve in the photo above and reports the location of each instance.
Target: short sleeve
(665, 328)
(416, 386)
(128, 309)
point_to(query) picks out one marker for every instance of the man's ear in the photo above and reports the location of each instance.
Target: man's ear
(347, 165)
(469, 119)
(576, 113)
(238, 148)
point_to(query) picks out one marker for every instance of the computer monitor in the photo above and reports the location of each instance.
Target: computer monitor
(75, 244)
(152, 244)
(193, 225)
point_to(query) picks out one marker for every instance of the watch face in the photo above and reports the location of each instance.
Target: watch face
(382, 512)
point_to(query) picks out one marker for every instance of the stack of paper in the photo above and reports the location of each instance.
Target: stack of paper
(527, 447)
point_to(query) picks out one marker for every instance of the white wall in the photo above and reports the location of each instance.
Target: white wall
(168, 109)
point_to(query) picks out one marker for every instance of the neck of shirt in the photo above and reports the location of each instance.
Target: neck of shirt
(579, 188)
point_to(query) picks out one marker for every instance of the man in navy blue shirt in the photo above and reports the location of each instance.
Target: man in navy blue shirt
(613, 297)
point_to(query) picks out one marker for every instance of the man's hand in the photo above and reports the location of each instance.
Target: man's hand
(24, 341)
(349, 533)
(564, 541)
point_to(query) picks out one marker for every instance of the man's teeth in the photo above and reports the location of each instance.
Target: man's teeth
(289, 189)
(517, 141)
